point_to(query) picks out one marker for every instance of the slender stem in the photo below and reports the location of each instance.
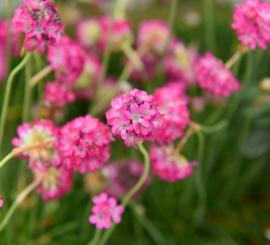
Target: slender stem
(119, 11)
(27, 93)
(133, 191)
(40, 75)
(21, 197)
(235, 57)
(96, 238)
(172, 14)
(183, 140)
(133, 56)
(10, 80)
(214, 128)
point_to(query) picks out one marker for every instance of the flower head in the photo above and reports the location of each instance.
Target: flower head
(55, 182)
(121, 177)
(172, 103)
(40, 23)
(251, 21)
(105, 211)
(38, 141)
(1, 202)
(167, 166)
(133, 116)
(84, 144)
(214, 77)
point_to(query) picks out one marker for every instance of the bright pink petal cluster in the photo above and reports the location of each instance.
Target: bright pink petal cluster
(121, 177)
(55, 181)
(1, 202)
(169, 166)
(40, 23)
(84, 144)
(58, 95)
(153, 35)
(38, 141)
(214, 77)
(134, 116)
(251, 21)
(172, 103)
(105, 211)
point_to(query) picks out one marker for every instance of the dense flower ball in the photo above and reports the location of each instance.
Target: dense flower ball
(105, 211)
(58, 95)
(134, 116)
(40, 23)
(251, 21)
(214, 77)
(84, 144)
(169, 166)
(172, 103)
(38, 141)
(55, 182)
(153, 35)
(121, 177)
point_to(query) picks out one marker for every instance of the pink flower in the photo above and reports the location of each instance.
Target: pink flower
(55, 182)
(214, 77)
(168, 166)
(39, 140)
(58, 95)
(40, 23)
(154, 35)
(105, 211)
(1, 202)
(172, 104)
(121, 177)
(84, 144)
(133, 116)
(251, 21)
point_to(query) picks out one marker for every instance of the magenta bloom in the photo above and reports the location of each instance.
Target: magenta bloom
(1, 202)
(168, 166)
(105, 211)
(39, 140)
(56, 183)
(58, 95)
(251, 21)
(172, 104)
(121, 177)
(84, 144)
(154, 36)
(214, 77)
(40, 23)
(134, 116)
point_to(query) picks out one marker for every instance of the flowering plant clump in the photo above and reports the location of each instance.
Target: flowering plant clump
(132, 103)
(133, 116)
(105, 211)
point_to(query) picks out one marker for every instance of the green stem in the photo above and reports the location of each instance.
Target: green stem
(7, 158)
(172, 14)
(200, 185)
(21, 197)
(10, 80)
(133, 191)
(27, 93)
(214, 128)
(96, 238)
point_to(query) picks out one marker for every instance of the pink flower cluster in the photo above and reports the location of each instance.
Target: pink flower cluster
(98, 32)
(172, 103)
(84, 144)
(1, 202)
(40, 23)
(134, 117)
(121, 177)
(214, 77)
(251, 21)
(169, 166)
(105, 211)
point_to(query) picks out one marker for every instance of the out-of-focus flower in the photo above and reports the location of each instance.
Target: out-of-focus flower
(214, 77)
(134, 116)
(58, 95)
(84, 144)
(192, 18)
(55, 182)
(38, 141)
(1, 202)
(153, 35)
(169, 166)
(172, 103)
(251, 21)
(105, 211)
(179, 62)
(121, 177)
(265, 85)
(198, 103)
(40, 23)
(95, 182)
